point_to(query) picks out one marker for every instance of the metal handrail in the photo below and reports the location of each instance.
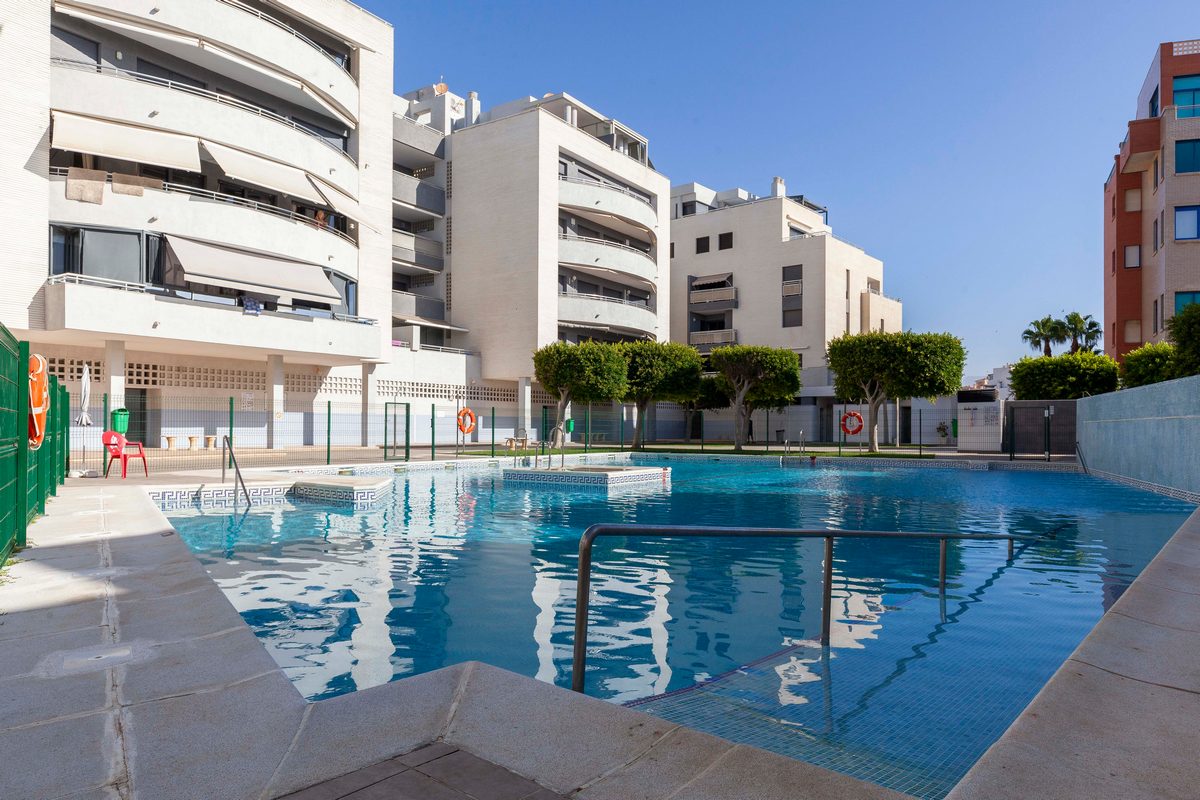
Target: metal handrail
(1082, 463)
(584, 579)
(593, 240)
(223, 99)
(603, 185)
(284, 26)
(605, 298)
(232, 199)
(237, 472)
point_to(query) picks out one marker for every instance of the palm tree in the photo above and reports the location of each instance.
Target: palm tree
(1084, 331)
(1044, 332)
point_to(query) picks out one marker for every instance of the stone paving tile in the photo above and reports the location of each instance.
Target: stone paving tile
(178, 617)
(427, 753)
(181, 667)
(19, 660)
(1144, 651)
(57, 758)
(35, 699)
(346, 784)
(478, 778)
(51, 619)
(658, 773)
(409, 785)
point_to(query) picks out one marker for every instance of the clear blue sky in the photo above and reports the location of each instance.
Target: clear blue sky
(964, 143)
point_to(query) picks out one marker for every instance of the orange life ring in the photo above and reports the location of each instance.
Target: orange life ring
(39, 399)
(466, 420)
(847, 418)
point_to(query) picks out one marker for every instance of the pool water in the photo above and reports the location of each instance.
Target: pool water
(715, 634)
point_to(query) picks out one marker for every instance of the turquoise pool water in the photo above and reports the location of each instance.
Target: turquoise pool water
(715, 634)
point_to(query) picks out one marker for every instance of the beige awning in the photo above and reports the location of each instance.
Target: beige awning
(711, 280)
(426, 323)
(127, 142)
(214, 265)
(340, 202)
(261, 172)
(98, 17)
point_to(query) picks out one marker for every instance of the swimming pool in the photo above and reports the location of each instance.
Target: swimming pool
(714, 634)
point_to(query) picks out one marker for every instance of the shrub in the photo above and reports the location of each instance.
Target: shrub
(1184, 330)
(1066, 377)
(1150, 363)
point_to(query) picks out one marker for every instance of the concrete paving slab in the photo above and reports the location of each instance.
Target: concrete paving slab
(509, 720)
(144, 582)
(408, 785)
(662, 770)
(36, 699)
(17, 661)
(427, 753)
(50, 619)
(473, 776)
(224, 743)
(57, 758)
(1144, 651)
(178, 617)
(1171, 575)
(347, 784)
(354, 730)
(195, 664)
(1165, 607)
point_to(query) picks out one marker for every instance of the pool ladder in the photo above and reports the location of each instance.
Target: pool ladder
(583, 584)
(237, 472)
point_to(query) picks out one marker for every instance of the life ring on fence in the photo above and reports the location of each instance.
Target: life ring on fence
(466, 420)
(39, 399)
(847, 419)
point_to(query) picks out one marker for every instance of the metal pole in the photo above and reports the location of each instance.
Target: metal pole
(407, 430)
(701, 413)
(433, 432)
(493, 431)
(622, 412)
(21, 380)
(827, 593)
(920, 431)
(583, 586)
(767, 432)
(841, 434)
(587, 427)
(329, 433)
(230, 431)
(1046, 413)
(942, 566)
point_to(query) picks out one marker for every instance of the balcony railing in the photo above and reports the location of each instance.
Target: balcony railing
(422, 194)
(605, 298)
(344, 64)
(223, 99)
(603, 185)
(417, 305)
(593, 240)
(148, 288)
(419, 250)
(727, 336)
(712, 295)
(819, 234)
(232, 199)
(875, 290)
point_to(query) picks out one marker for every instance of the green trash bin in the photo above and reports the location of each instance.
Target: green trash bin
(569, 425)
(119, 419)
(954, 427)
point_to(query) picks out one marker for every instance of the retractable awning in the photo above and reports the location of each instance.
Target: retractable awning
(215, 265)
(127, 142)
(711, 280)
(261, 172)
(97, 17)
(427, 323)
(339, 201)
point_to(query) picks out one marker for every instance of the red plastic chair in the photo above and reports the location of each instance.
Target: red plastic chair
(116, 444)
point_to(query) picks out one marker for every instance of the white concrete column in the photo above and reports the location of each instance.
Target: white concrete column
(274, 400)
(114, 374)
(368, 397)
(524, 404)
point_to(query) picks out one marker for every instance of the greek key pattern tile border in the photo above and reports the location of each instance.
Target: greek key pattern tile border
(654, 478)
(1177, 494)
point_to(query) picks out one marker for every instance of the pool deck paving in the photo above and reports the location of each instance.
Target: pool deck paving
(125, 672)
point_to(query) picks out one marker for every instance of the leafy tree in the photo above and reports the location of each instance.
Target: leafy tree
(752, 373)
(590, 371)
(659, 371)
(1083, 331)
(1066, 377)
(871, 367)
(1184, 330)
(1044, 332)
(712, 394)
(1150, 363)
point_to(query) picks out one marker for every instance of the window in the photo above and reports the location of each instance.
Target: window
(340, 140)
(1133, 199)
(1154, 236)
(1113, 257)
(64, 250)
(162, 73)
(701, 244)
(1133, 256)
(793, 273)
(1187, 222)
(1154, 318)
(1187, 155)
(1133, 331)
(794, 232)
(1162, 227)
(73, 47)
(725, 241)
(1186, 96)
(1185, 299)
(689, 208)
(1153, 108)
(793, 318)
(672, 249)
(1155, 171)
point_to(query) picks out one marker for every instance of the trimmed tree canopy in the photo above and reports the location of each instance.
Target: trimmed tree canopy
(1150, 363)
(1066, 377)
(590, 371)
(1184, 330)
(659, 371)
(871, 367)
(755, 376)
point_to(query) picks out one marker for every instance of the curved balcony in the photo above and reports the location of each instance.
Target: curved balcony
(597, 311)
(231, 38)
(142, 100)
(605, 199)
(209, 216)
(598, 254)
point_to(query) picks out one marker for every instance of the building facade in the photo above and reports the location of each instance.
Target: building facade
(1152, 205)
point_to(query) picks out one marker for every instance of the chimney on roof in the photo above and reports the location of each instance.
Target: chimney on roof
(472, 110)
(778, 187)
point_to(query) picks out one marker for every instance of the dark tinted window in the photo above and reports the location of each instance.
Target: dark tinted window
(702, 244)
(725, 241)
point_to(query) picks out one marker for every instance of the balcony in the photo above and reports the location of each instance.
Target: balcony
(418, 136)
(144, 315)
(721, 298)
(419, 252)
(135, 99)
(212, 217)
(707, 340)
(406, 305)
(603, 198)
(597, 311)
(417, 193)
(214, 34)
(1141, 145)
(599, 254)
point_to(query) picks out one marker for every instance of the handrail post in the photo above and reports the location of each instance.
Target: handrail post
(942, 566)
(827, 593)
(583, 587)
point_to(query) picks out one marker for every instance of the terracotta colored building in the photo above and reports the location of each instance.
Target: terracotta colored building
(1152, 205)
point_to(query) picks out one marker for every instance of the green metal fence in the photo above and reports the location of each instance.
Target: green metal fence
(27, 477)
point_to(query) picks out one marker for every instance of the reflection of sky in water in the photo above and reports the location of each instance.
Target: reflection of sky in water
(458, 567)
